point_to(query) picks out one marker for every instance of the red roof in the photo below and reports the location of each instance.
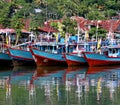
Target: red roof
(7, 30)
(25, 31)
(82, 22)
(47, 29)
(12, 30)
(109, 25)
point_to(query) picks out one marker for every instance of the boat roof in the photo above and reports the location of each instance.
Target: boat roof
(112, 46)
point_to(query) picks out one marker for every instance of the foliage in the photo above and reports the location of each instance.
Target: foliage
(54, 24)
(101, 33)
(70, 26)
(4, 14)
(18, 25)
(66, 26)
(11, 13)
(56, 9)
(58, 26)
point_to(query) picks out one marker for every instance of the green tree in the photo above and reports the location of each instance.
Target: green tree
(100, 32)
(18, 25)
(70, 26)
(66, 26)
(4, 14)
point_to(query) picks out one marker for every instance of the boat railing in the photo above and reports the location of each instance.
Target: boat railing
(29, 42)
(46, 43)
(23, 46)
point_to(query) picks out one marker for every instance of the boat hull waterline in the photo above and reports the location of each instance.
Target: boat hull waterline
(94, 59)
(74, 60)
(43, 58)
(21, 57)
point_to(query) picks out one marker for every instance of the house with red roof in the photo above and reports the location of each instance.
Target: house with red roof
(112, 25)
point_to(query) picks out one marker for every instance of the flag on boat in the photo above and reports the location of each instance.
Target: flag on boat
(57, 35)
(99, 44)
(86, 35)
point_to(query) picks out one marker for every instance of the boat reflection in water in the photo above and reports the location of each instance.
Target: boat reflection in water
(14, 83)
(75, 77)
(105, 82)
(60, 86)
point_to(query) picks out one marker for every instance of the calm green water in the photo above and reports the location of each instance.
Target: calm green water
(60, 86)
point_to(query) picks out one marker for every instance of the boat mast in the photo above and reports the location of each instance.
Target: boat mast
(78, 36)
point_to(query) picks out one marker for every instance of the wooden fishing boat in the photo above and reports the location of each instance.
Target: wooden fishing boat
(76, 57)
(20, 54)
(47, 58)
(75, 60)
(109, 55)
(21, 57)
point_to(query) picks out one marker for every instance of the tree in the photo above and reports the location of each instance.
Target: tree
(101, 33)
(18, 25)
(4, 14)
(69, 26)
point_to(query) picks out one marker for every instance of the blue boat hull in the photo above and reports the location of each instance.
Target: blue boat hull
(5, 59)
(75, 60)
(21, 57)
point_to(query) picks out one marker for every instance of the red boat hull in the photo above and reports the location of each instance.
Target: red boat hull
(75, 63)
(96, 59)
(42, 61)
(93, 62)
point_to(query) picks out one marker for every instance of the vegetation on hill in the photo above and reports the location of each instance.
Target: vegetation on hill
(41, 10)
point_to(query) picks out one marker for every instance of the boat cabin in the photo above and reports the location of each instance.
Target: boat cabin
(51, 47)
(112, 51)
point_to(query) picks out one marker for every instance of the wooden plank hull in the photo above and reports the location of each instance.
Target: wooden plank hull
(48, 59)
(94, 59)
(74, 60)
(21, 57)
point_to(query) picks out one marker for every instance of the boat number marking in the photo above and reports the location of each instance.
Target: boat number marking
(45, 60)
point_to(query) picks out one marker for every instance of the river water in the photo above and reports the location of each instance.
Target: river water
(60, 86)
